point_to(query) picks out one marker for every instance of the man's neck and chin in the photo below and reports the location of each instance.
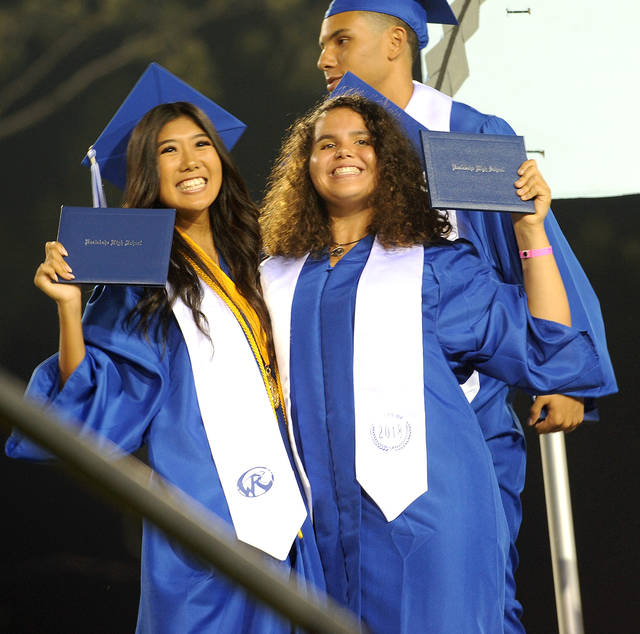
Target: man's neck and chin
(397, 87)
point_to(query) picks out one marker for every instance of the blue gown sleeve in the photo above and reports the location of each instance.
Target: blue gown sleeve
(485, 324)
(492, 234)
(118, 387)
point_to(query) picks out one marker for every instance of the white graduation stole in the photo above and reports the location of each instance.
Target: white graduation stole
(388, 379)
(391, 455)
(256, 476)
(278, 278)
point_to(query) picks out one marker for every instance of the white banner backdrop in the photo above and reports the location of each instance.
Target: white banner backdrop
(566, 75)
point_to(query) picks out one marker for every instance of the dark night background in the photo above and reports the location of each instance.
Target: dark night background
(69, 560)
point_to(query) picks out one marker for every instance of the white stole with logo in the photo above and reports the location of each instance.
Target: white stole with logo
(391, 455)
(252, 463)
(388, 379)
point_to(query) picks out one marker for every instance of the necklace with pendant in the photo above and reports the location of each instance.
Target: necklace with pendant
(336, 250)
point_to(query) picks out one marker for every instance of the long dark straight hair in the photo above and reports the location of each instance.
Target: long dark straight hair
(233, 217)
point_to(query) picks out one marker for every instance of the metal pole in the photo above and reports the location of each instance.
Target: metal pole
(561, 535)
(130, 482)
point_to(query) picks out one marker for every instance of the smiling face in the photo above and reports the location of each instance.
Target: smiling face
(189, 167)
(343, 165)
(350, 41)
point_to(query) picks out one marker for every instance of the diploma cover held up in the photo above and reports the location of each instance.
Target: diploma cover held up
(116, 245)
(474, 172)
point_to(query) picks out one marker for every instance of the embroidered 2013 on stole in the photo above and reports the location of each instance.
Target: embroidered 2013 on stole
(391, 458)
(388, 379)
(260, 488)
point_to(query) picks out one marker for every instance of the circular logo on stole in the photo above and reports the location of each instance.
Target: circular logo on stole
(391, 433)
(255, 482)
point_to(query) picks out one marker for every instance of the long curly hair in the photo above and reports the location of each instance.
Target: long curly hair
(233, 217)
(294, 219)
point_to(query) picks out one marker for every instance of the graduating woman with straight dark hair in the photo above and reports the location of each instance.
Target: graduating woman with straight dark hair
(188, 371)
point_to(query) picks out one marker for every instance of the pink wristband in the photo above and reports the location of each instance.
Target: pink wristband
(525, 254)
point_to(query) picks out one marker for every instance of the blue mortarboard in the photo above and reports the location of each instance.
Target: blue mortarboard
(350, 84)
(416, 13)
(156, 86)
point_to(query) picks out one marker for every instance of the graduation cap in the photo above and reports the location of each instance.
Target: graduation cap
(416, 13)
(108, 155)
(351, 84)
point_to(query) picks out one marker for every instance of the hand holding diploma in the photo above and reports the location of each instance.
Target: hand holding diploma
(51, 270)
(531, 186)
(69, 300)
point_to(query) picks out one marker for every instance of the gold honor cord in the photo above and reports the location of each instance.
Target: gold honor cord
(247, 318)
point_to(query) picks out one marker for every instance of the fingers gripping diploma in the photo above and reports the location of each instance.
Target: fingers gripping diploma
(563, 413)
(51, 270)
(529, 186)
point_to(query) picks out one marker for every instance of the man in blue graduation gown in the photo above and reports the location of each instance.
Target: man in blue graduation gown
(378, 40)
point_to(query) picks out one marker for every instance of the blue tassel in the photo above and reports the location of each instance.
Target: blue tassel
(97, 190)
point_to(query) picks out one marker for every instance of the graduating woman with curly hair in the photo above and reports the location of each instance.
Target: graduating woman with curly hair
(376, 317)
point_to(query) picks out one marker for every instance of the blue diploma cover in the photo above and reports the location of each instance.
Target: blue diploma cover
(474, 172)
(116, 245)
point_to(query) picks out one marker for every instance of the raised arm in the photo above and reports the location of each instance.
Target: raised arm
(542, 280)
(69, 300)
(546, 294)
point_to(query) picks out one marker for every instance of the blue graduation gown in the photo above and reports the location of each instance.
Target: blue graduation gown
(136, 391)
(439, 566)
(492, 234)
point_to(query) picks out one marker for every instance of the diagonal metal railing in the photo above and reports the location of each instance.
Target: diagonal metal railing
(131, 483)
